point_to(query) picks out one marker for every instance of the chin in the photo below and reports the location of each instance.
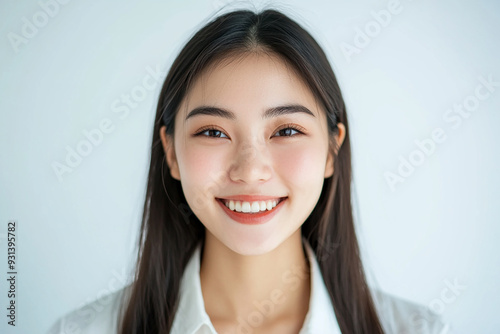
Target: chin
(252, 245)
(251, 252)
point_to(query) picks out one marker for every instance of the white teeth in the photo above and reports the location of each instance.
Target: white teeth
(255, 207)
(248, 207)
(245, 207)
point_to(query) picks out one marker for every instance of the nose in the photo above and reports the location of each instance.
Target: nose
(251, 163)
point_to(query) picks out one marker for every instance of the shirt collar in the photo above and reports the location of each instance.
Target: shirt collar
(191, 317)
(320, 318)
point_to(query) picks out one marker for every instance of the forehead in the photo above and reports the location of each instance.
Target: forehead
(256, 80)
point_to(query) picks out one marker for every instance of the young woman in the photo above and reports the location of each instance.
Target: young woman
(247, 224)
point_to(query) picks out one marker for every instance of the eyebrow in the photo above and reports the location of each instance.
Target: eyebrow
(269, 113)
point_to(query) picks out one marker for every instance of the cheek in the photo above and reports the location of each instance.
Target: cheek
(302, 166)
(202, 171)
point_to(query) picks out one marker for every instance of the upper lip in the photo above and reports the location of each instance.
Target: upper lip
(251, 198)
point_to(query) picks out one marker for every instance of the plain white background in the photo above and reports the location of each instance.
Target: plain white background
(76, 233)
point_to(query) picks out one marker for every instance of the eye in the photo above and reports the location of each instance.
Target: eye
(289, 130)
(211, 132)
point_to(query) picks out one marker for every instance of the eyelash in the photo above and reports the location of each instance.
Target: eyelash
(294, 127)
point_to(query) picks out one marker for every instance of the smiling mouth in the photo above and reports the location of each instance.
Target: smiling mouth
(251, 207)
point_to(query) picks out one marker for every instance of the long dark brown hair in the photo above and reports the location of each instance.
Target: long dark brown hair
(170, 231)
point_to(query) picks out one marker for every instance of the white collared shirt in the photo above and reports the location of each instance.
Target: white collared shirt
(397, 315)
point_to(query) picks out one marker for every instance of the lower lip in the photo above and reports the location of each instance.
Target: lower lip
(252, 218)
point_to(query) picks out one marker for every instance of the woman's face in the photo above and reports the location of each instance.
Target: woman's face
(257, 135)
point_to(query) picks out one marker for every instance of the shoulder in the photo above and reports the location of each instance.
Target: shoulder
(99, 316)
(405, 317)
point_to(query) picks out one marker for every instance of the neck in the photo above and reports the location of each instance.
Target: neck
(275, 284)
